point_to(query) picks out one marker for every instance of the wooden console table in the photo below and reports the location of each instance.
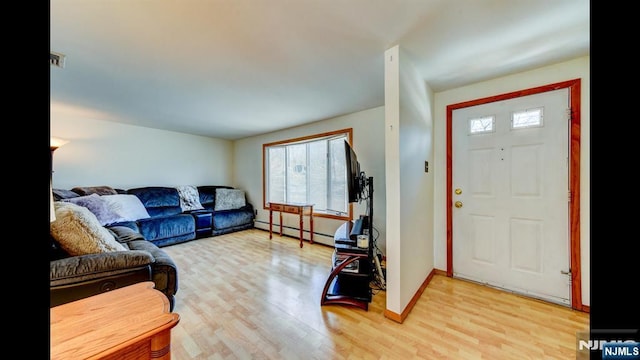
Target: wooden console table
(132, 322)
(292, 208)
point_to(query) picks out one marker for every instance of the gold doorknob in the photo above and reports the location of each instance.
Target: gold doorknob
(458, 191)
(458, 204)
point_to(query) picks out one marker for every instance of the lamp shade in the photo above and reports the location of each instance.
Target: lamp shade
(56, 142)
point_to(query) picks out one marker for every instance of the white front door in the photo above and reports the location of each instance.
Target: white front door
(510, 193)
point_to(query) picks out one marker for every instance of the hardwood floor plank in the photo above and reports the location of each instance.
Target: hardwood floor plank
(243, 296)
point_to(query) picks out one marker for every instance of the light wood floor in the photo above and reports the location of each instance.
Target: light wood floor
(243, 296)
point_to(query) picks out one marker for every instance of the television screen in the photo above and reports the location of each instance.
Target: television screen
(353, 173)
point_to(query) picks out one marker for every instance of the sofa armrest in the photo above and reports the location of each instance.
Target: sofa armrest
(165, 271)
(124, 234)
(91, 266)
(78, 277)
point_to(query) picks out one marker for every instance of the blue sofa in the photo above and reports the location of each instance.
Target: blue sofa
(168, 224)
(225, 221)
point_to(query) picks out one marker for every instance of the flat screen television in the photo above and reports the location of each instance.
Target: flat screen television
(354, 184)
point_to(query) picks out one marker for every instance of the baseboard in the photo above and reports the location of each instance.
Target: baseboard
(401, 317)
(293, 232)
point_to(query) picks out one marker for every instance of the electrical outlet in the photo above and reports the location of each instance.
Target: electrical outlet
(426, 166)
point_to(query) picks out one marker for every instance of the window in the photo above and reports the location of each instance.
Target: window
(308, 170)
(482, 125)
(527, 118)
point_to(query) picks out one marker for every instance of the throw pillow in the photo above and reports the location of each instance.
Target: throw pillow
(59, 194)
(100, 190)
(98, 207)
(127, 206)
(189, 198)
(227, 199)
(79, 232)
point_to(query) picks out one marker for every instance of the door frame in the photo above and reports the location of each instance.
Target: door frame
(574, 177)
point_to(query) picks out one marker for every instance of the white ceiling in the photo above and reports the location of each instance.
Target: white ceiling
(236, 68)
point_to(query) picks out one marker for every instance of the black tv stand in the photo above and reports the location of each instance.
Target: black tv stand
(352, 270)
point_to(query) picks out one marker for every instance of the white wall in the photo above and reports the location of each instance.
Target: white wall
(123, 156)
(408, 139)
(367, 134)
(573, 69)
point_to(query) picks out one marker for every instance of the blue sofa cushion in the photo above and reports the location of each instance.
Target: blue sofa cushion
(175, 227)
(233, 218)
(158, 200)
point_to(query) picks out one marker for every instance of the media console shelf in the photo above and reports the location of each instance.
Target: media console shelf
(348, 282)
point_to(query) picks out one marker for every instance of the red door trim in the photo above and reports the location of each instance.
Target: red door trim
(574, 177)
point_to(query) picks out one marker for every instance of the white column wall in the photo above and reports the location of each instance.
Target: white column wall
(408, 140)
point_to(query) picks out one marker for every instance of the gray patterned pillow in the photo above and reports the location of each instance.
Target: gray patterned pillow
(98, 207)
(189, 198)
(227, 199)
(127, 206)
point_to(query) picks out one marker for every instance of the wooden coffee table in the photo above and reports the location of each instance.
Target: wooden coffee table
(132, 322)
